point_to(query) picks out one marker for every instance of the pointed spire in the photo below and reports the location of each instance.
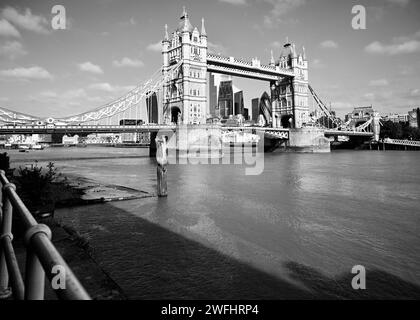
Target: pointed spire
(203, 29)
(293, 51)
(304, 52)
(166, 33)
(184, 13)
(272, 62)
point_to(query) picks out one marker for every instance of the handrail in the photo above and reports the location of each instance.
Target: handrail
(42, 256)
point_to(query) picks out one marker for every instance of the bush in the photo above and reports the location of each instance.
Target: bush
(35, 186)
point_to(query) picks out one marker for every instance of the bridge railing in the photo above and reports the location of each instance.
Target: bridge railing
(42, 258)
(403, 142)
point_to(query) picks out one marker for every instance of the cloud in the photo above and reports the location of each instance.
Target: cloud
(400, 45)
(329, 44)
(279, 9)
(379, 83)
(90, 67)
(235, 2)
(406, 47)
(157, 47)
(127, 62)
(317, 64)
(106, 87)
(12, 49)
(276, 44)
(26, 20)
(31, 73)
(217, 48)
(415, 93)
(8, 30)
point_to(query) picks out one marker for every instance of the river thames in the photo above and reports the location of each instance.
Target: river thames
(295, 231)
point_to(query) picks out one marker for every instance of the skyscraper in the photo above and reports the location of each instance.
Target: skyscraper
(152, 108)
(225, 100)
(239, 102)
(213, 105)
(255, 109)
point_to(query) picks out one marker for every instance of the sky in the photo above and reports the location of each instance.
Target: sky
(110, 46)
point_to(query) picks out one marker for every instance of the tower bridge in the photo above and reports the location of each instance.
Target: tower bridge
(179, 88)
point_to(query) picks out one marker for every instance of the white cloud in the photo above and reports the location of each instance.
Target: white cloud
(415, 93)
(12, 49)
(157, 47)
(400, 45)
(217, 48)
(379, 83)
(90, 67)
(235, 2)
(106, 87)
(127, 62)
(329, 44)
(31, 73)
(317, 64)
(406, 47)
(276, 44)
(279, 9)
(26, 20)
(8, 30)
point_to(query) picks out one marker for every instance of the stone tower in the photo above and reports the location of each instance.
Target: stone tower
(289, 96)
(185, 96)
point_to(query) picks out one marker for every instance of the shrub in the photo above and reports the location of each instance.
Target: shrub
(35, 187)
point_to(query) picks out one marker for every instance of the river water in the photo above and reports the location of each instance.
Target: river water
(295, 230)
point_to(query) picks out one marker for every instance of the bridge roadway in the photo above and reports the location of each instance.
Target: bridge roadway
(408, 143)
(88, 129)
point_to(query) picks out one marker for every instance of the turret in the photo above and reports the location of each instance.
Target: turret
(272, 62)
(165, 47)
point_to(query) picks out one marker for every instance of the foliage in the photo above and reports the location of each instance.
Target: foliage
(399, 131)
(4, 161)
(36, 186)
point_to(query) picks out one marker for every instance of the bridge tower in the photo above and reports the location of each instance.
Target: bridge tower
(185, 96)
(290, 95)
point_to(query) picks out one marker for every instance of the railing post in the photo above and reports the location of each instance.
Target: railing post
(34, 277)
(34, 272)
(5, 291)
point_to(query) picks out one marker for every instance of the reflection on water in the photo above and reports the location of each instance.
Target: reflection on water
(326, 211)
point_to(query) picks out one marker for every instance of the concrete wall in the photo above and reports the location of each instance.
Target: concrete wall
(308, 140)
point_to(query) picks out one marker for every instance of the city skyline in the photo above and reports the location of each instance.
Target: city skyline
(103, 53)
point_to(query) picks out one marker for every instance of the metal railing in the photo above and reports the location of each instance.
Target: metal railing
(42, 258)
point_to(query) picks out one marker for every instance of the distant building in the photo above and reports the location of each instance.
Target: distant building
(152, 108)
(396, 118)
(360, 115)
(255, 107)
(239, 102)
(213, 105)
(225, 101)
(246, 114)
(414, 118)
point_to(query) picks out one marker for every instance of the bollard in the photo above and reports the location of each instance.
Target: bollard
(162, 161)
